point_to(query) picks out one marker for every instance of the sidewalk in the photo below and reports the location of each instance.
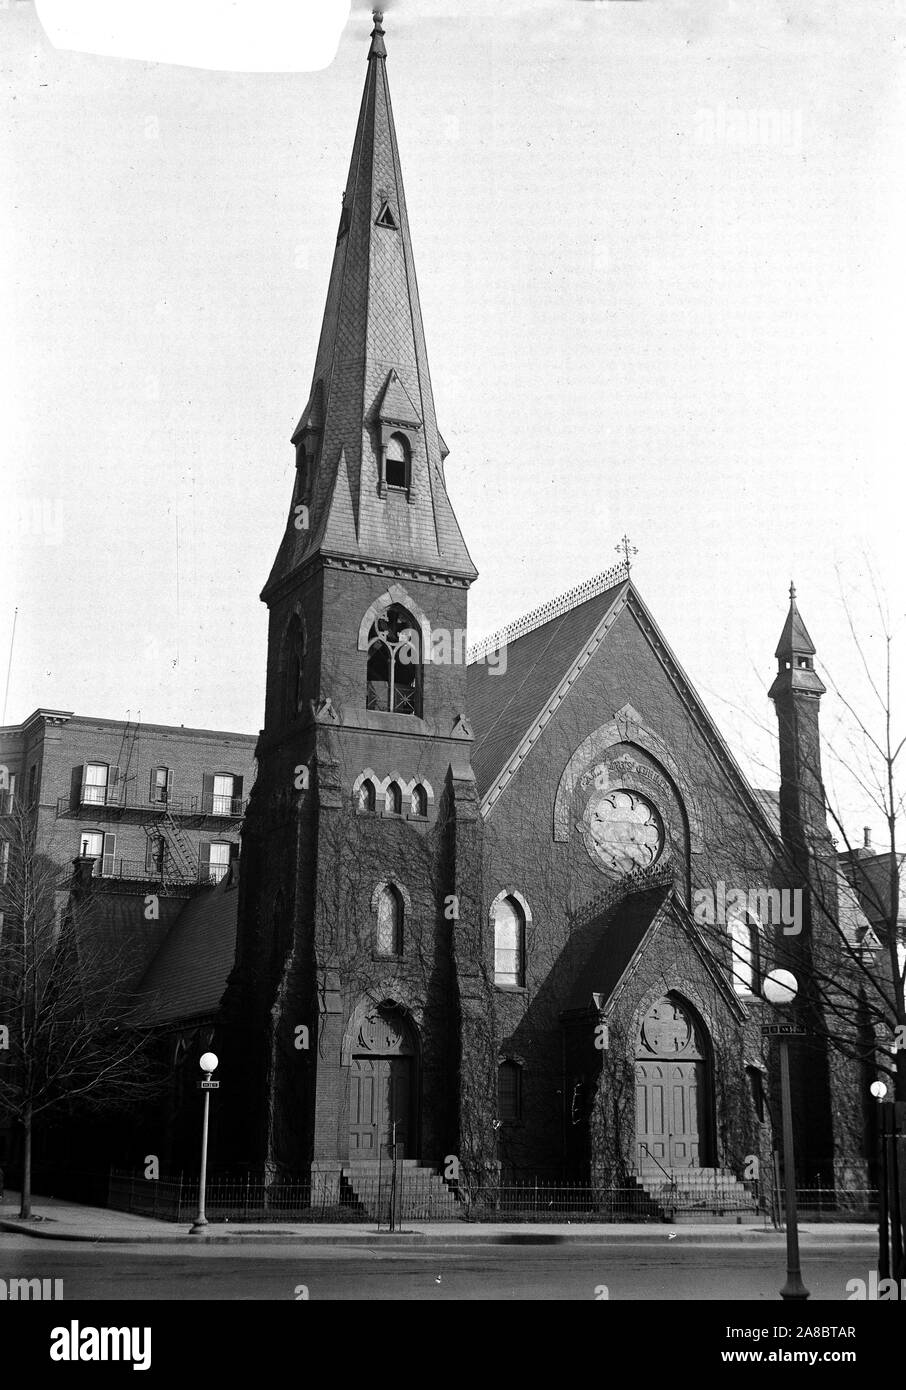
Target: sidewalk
(61, 1220)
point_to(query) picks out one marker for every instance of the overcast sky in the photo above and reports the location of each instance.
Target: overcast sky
(660, 254)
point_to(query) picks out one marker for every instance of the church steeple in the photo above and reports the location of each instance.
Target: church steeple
(370, 459)
(796, 692)
(795, 652)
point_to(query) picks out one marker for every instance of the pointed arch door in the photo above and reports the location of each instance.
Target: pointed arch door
(671, 1082)
(381, 1086)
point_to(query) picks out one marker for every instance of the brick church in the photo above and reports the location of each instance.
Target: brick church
(512, 908)
(466, 891)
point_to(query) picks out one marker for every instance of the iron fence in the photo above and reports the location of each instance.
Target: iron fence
(419, 1195)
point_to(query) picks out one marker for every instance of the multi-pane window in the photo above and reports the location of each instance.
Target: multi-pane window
(509, 943)
(4, 860)
(419, 801)
(389, 936)
(393, 800)
(94, 785)
(509, 1091)
(224, 792)
(365, 797)
(32, 784)
(394, 663)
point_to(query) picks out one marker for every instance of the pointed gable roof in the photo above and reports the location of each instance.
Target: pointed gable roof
(794, 639)
(395, 405)
(540, 649)
(616, 938)
(545, 654)
(371, 359)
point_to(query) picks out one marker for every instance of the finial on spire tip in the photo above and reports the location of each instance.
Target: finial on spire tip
(792, 591)
(377, 49)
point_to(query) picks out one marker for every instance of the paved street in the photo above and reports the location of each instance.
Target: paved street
(273, 1271)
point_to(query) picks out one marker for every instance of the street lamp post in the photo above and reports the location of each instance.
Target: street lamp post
(208, 1064)
(879, 1091)
(781, 988)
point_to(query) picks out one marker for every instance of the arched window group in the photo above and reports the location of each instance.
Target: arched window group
(395, 799)
(394, 663)
(509, 943)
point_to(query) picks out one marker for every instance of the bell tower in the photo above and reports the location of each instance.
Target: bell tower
(364, 813)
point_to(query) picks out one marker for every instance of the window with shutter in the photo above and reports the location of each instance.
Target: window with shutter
(223, 793)
(94, 784)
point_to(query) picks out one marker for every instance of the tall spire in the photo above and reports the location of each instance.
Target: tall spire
(371, 386)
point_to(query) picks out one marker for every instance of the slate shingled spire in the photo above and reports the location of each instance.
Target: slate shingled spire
(371, 358)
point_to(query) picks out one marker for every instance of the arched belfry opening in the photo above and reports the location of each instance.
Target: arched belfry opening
(673, 1085)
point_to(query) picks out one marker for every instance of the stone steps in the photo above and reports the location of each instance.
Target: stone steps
(698, 1190)
(421, 1193)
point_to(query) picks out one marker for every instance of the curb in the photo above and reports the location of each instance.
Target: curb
(415, 1239)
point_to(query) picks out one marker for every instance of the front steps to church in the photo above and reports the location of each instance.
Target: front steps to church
(421, 1193)
(690, 1193)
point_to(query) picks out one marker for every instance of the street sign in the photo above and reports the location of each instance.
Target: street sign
(209, 1085)
(783, 1030)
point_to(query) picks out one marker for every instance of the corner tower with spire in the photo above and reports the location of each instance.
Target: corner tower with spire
(341, 1023)
(796, 692)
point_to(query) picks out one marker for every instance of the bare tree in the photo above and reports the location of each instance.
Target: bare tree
(66, 1043)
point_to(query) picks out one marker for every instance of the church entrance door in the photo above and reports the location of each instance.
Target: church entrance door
(670, 1088)
(381, 1088)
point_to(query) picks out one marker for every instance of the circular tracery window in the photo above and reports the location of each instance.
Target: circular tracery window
(622, 831)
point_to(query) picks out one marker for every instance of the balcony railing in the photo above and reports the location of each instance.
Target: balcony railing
(125, 798)
(139, 871)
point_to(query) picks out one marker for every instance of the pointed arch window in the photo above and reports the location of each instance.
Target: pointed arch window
(744, 954)
(294, 669)
(419, 801)
(366, 798)
(393, 800)
(394, 673)
(509, 944)
(389, 929)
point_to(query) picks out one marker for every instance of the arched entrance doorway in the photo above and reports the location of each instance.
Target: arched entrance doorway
(671, 1088)
(382, 1085)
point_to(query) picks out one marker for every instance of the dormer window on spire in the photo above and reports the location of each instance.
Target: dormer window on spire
(398, 460)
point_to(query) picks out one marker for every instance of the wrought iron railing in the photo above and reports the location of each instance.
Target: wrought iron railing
(123, 798)
(138, 870)
(249, 1198)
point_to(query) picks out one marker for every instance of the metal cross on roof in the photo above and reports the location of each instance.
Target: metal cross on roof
(628, 549)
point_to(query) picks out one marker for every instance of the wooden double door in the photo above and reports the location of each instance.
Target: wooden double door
(380, 1095)
(671, 1088)
(668, 1109)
